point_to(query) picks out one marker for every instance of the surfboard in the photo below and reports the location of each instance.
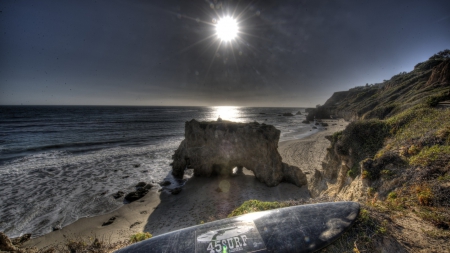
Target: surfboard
(304, 228)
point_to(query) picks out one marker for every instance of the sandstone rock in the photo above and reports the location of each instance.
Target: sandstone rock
(21, 239)
(215, 148)
(294, 175)
(6, 244)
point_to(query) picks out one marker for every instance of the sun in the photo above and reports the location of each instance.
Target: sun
(227, 28)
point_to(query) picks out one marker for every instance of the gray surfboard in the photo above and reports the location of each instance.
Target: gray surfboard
(305, 228)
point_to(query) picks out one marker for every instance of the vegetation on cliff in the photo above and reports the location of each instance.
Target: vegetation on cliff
(398, 147)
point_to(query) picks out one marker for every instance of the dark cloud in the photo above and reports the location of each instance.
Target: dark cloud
(289, 53)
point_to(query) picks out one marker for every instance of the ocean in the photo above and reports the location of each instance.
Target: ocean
(61, 163)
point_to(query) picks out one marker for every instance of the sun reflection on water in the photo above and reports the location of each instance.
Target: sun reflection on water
(231, 113)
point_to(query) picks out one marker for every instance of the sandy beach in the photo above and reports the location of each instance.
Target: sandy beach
(201, 199)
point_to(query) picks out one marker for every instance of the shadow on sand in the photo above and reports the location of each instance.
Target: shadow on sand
(213, 198)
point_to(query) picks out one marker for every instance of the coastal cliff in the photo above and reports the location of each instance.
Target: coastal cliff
(216, 147)
(394, 157)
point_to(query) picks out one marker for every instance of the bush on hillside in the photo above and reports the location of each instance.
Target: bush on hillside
(362, 139)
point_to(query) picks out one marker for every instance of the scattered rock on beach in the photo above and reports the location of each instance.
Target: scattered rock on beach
(57, 227)
(165, 183)
(144, 171)
(175, 191)
(133, 196)
(21, 239)
(135, 224)
(137, 165)
(314, 127)
(109, 222)
(305, 122)
(126, 177)
(141, 184)
(118, 194)
(324, 124)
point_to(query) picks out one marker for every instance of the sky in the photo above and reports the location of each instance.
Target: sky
(286, 53)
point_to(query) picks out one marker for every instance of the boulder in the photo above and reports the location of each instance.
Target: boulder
(118, 194)
(109, 222)
(215, 148)
(141, 184)
(133, 196)
(176, 190)
(165, 183)
(6, 244)
(21, 239)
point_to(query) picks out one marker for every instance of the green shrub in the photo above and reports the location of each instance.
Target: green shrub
(140, 237)
(353, 171)
(392, 195)
(380, 112)
(364, 138)
(429, 155)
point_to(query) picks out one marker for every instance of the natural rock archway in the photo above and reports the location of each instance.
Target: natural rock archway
(216, 147)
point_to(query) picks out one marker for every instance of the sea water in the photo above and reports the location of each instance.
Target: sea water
(62, 163)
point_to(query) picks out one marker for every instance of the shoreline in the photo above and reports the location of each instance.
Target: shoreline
(201, 199)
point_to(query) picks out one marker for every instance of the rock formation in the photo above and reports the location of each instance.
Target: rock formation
(212, 148)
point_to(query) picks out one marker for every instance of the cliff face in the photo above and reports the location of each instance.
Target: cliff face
(216, 147)
(440, 75)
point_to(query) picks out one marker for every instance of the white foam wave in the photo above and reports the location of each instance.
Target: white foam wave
(56, 188)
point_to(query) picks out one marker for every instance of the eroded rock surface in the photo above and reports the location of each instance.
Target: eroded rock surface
(216, 147)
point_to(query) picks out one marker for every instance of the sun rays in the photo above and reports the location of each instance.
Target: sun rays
(228, 32)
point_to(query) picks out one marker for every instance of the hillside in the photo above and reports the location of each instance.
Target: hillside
(394, 158)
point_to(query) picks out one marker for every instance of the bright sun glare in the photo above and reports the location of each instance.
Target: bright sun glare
(227, 112)
(227, 28)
